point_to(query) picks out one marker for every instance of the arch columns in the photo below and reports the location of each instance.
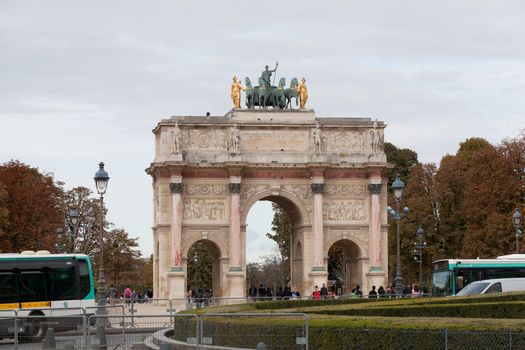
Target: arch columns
(176, 276)
(236, 274)
(376, 273)
(319, 272)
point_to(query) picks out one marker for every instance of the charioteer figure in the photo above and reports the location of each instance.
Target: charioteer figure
(267, 74)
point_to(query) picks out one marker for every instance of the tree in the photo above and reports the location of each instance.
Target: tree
(199, 266)
(84, 237)
(282, 228)
(121, 260)
(33, 208)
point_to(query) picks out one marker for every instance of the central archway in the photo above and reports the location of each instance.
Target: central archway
(292, 208)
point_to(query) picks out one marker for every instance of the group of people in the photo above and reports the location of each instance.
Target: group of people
(128, 295)
(267, 293)
(323, 293)
(201, 297)
(409, 290)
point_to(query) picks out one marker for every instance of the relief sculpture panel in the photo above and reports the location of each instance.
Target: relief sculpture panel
(275, 140)
(345, 210)
(353, 141)
(204, 190)
(345, 191)
(204, 209)
(195, 139)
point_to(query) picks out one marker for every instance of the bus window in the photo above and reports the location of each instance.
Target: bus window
(85, 283)
(466, 276)
(8, 288)
(62, 283)
(32, 286)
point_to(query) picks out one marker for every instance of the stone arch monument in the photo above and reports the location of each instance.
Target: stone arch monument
(329, 174)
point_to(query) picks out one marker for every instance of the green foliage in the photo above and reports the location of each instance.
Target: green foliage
(282, 231)
(200, 262)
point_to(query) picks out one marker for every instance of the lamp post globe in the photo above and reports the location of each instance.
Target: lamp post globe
(60, 233)
(101, 182)
(74, 217)
(398, 186)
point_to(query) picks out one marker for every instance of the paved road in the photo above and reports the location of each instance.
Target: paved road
(113, 342)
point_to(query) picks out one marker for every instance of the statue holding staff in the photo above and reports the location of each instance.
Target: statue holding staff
(267, 74)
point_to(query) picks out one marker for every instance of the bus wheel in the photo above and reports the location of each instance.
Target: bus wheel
(34, 329)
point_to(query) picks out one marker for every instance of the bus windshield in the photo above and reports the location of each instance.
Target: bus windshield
(441, 283)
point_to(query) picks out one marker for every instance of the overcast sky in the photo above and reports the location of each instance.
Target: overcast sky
(83, 82)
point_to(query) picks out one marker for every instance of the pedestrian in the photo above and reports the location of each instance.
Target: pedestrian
(296, 294)
(262, 292)
(407, 291)
(128, 295)
(112, 295)
(381, 292)
(316, 295)
(357, 291)
(373, 293)
(324, 292)
(252, 293)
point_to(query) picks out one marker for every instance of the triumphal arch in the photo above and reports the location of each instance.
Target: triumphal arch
(328, 174)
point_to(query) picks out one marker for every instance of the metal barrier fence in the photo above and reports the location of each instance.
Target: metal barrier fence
(281, 331)
(247, 330)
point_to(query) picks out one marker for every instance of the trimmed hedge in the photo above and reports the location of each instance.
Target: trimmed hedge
(514, 309)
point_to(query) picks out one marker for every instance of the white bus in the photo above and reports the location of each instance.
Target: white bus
(42, 284)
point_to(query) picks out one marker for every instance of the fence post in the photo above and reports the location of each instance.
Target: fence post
(446, 339)
(510, 340)
(16, 330)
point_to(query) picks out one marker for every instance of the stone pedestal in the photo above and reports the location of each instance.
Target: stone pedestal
(270, 115)
(176, 284)
(236, 284)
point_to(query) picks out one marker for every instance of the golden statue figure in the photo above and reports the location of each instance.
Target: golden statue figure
(236, 92)
(303, 93)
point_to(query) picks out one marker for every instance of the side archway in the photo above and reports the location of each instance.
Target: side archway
(202, 260)
(345, 266)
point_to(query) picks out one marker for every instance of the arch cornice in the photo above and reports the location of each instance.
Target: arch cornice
(216, 238)
(359, 238)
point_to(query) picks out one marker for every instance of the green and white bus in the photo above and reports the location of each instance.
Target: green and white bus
(43, 284)
(449, 276)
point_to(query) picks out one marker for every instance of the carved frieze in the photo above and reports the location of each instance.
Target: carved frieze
(346, 191)
(194, 139)
(370, 140)
(205, 189)
(345, 210)
(204, 209)
(275, 140)
(302, 193)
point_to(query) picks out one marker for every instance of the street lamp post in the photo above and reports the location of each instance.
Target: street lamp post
(398, 187)
(418, 251)
(101, 182)
(72, 223)
(517, 220)
(60, 233)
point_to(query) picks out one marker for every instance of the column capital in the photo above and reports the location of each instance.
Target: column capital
(234, 187)
(176, 187)
(317, 188)
(374, 188)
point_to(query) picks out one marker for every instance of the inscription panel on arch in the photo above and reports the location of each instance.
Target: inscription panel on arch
(199, 210)
(274, 140)
(352, 210)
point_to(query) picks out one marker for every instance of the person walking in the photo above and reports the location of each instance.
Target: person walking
(357, 291)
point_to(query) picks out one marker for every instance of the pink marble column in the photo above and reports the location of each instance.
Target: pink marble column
(375, 226)
(318, 225)
(235, 226)
(176, 226)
